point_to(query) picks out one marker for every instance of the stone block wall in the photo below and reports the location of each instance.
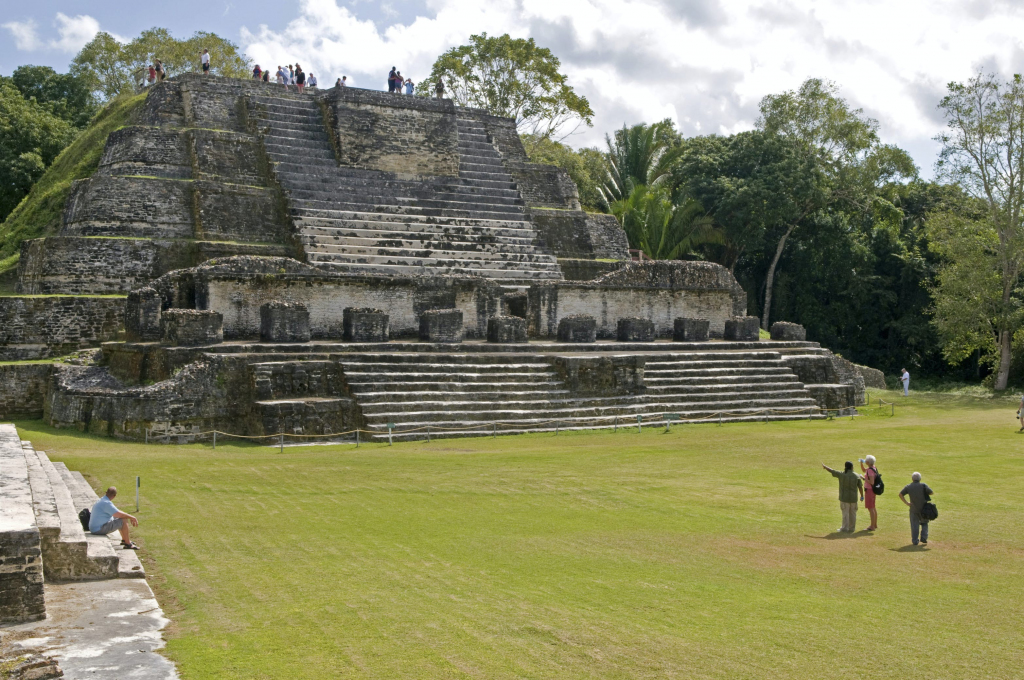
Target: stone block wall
(544, 186)
(742, 328)
(23, 390)
(191, 327)
(142, 316)
(576, 234)
(43, 327)
(601, 376)
(283, 322)
(141, 150)
(691, 330)
(577, 328)
(365, 325)
(140, 207)
(86, 266)
(393, 133)
(441, 325)
(506, 329)
(634, 329)
(21, 563)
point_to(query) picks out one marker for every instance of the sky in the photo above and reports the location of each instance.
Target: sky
(705, 64)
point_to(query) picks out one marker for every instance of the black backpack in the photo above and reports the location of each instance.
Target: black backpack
(84, 516)
(929, 512)
(877, 486)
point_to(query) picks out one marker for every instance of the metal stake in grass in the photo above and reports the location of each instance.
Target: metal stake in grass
(138, 483)
(428, 433)
(639, 419)
(357, 437)
(215, 439)
(494, 430)
(616, 424)
(390, 425)
(282, 442)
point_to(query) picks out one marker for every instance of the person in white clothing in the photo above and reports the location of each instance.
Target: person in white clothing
(905, 379)
(206, 61)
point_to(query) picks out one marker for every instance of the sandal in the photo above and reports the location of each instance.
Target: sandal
(129, 546)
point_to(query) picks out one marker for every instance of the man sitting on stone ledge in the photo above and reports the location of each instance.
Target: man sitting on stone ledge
(106, 518)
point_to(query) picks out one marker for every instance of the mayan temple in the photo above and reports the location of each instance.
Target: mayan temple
(258, 261)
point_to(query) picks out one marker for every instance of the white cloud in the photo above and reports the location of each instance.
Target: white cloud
(24, 33)
(74, 32)
(706, 67)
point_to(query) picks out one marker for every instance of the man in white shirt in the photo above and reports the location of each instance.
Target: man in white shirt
(206, 61)
(905, 379)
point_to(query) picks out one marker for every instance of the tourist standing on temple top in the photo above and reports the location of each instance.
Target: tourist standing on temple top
(311, 81)
(158, 66)
(282, 76)
(391, 80)
(870, 475)
(266, 76)
(256, 72)
(300, 78)
(408, 85)
(205, 59)
(152, 75)
(905, 379)
(439, 89)
(849, 484)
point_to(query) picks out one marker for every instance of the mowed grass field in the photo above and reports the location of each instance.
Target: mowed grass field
(707, 552)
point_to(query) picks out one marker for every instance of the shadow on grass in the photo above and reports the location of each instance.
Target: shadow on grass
(838, 535)
(911, 548)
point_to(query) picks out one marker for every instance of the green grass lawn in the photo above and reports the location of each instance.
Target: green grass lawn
(708, 552)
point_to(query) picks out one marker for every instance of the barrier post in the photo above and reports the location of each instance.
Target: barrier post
(893, 407)
(428, 433)
(390, 425)
(147, 435)
(616, 424)
(719, 418)
(215, 439)
(357, 437)
(282, 442)
(556, 428)
(639, 419)
(138, 483)
(494, 430)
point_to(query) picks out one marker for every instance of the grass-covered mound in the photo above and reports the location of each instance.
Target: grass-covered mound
(39, 213)
(707, 552)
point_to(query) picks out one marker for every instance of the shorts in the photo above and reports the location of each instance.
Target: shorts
(206, 67)
(110, 527)
(869, 500)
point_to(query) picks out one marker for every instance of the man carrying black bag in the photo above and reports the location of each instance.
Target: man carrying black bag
(920, 495)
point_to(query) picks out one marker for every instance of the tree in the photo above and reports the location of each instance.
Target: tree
(660, 228)
(641, 154)
(586, 167)
(514, 78)
(65, 95)
(111, 68)
(977, 297)
(30, 139)
(848, 153)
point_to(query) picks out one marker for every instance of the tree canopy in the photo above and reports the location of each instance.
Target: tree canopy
(514, 78)
(31, 137)
(111, 68)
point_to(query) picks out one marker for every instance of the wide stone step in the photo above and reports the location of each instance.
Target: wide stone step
(291, 147)
(423, 197)
(341, 180)
(481, 164)
(417, 253)
(481, 145)
(447, 210)
(442, 418)
(297, 128)
(69, 553)
(382, 391)
(485, 267)
(360, 269)
(328, 217)
(128, 563)
(479, 137)
(472, 408)
(428, 244)
(446, 373)
(483, 175)
(485, 430)
(486, 393)
(415, 234)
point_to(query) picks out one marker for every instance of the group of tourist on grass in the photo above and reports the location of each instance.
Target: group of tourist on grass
(869, 485)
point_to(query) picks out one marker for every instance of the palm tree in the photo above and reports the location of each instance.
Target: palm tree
(662, 229)
(640, 154)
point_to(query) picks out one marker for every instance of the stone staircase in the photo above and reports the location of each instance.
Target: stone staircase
(478, 389)
(69, 553)
(370, 222)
